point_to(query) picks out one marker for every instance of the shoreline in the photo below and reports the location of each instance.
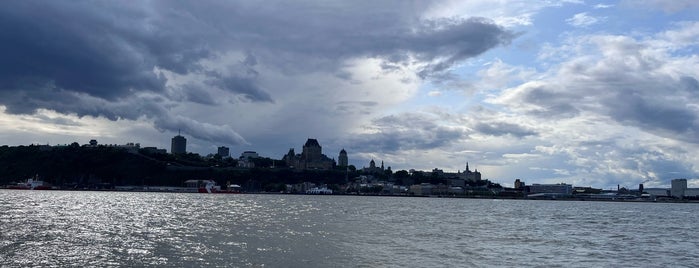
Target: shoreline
(573, 198)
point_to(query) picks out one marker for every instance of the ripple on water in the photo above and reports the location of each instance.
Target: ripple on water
(54, 228)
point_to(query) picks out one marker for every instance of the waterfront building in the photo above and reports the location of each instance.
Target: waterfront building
(421, 189)
(223, 151)
(657, 191)
(311, 157)
(519, 184)
(678, 187)
(178, 145)
(559, 188)
(342, 159)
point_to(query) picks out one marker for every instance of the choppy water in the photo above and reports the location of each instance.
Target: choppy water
(54, 228)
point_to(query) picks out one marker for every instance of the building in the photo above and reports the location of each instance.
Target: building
(178, 145)
(559, 188)
(154, 150)
(248, 155)
(678, 187)
(311, 157)
(342, 159)
(657, 191)
(373, 168)
(519, 184)
(245, 159)
(223, 151)
(469, 175)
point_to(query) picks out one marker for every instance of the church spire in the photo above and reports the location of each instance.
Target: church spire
(467, 170)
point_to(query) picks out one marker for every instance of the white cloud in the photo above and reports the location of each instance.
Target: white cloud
(434, 93)
(583, 20)
(617, 109)
(511, 13)
(602, 6)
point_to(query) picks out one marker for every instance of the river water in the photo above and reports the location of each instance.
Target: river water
(99, 229)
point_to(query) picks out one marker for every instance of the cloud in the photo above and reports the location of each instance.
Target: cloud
(511, 13)
(152, 59)
(602, 6)
(668, 6)
(502, 128)
(406, 131)
(583, 20)
(633, 82)
(615, 109)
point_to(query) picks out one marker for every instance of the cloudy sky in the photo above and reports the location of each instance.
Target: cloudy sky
(585, 92)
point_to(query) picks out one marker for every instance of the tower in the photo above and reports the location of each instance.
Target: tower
(178, 144)
(342, 159)
(312, 150)
(224, 151)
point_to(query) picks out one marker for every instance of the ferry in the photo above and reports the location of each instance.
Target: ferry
(31, 184)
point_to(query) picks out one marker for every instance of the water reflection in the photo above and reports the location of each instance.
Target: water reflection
(53, 228)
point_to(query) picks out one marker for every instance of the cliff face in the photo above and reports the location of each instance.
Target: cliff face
(75, 165)
(105, 167)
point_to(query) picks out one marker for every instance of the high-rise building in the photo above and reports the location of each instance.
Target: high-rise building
(223, 151)
(342, 159)
(679, 186)
(178, 145)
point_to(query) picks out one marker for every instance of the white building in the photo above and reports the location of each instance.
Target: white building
(245, 160)
(657, 191)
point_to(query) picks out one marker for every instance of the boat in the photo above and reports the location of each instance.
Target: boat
(31, 184)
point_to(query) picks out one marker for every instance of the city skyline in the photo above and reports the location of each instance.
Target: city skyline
(600, 93)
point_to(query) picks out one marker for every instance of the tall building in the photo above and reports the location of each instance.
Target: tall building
(223, 151)
(311, 157)
(679, 186)
(342, 160)
(470, 175)
(178, 145)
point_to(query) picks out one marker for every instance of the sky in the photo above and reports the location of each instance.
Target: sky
(590, 93)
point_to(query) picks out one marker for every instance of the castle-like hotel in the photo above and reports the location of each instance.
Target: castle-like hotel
(312, 157)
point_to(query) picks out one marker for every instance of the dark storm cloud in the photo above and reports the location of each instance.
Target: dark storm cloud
(551, 104)
(502, 129)
(638, 96)
(652, 114)
(90, 58)
(247, 87)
